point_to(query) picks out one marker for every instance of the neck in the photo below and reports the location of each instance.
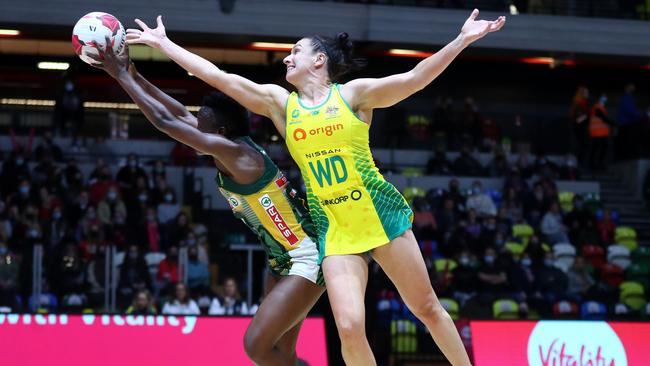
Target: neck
(314, 91)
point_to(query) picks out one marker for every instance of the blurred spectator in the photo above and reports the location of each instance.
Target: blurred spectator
(424, 224)
(569, 171)
(552, 226)
(9, 275)
(89, 222)
(198, 275)
(606, 228)
(47, 302)
(498, 167)
(169, 208)
(521, 278)
(111, 206)
(55, 229)
(470, 120)
(181, 304)
(23, 197)
(535, 250)
(127, 178)
(74, 179)
(535, 205)
(96, 276)
(158, 172)
(14, 170)
(142, 304)
(524, 165)
(581, 223)
(579, 280)
(628, 123)
(448, 217)
(168, 269)
(579, 120)
(492, 278)
(515, 180)
(464, 278)
(177, 230)
(149, 232)
(47, 149)
(69, 111)
(599, 131)
(136, 207)
(466, 165)
(545, 168)
(480, 202)
(455, 194)
(68, 270)
(160, 187)
(134, 275)
(231, 302)
(512, 205)
(551, 281)
(100, 183)
(438, 164)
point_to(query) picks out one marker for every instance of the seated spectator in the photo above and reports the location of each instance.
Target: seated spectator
(24, 197)
(158, 171)
(168, 269)
(128, 175)
(142, 304)
(55, 229)
(481, 202)
(134, 275)
(198, 275)
(551, 281)
(569, 170)
(513, 206)
(464, 278)
(515, 180)
(498, 167)
(177, 230)
(581, 223)
(149, 231)
(47, 302)
(89, 221)
(552, 226)
(606, 228)
(90, 244)
(503, 222)
(535, 205)
(110, 205)
(68, 270)
(579, 280)
(473, 226)
(535, 250)
(74, 179)
(231, 302)
(181, 304)
(96, 277)
(9, 275)
(424, 224)
(77, 208)
(466, 165)
(522, 279)
(492, 278)
(169, 208)
(546, 169)
(448, 218)
(47, 148)
(438, 164)
(14, 170)
(454, 194)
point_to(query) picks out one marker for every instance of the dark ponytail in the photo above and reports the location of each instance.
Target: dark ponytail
(339, 51)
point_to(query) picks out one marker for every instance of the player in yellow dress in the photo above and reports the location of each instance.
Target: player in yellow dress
(258, 193)
(325, 126)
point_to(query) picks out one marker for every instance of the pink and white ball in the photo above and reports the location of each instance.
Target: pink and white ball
(89, 35)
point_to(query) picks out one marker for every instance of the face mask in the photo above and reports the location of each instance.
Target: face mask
(476, 190)
(20, 161)
(112, 195)
(526, 262)
(489, 259)
(548, 262)
(142, 198)
(24, 190)
(603, 100)
(464, 261)
(498, 242)
(56, 215)
(169, 197)
(69, 86)
(33, 233)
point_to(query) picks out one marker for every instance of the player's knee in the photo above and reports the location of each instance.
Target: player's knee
(429, 310)
(351, 328)
(254, 346)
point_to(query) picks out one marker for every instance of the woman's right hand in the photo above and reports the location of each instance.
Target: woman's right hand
(148, 36)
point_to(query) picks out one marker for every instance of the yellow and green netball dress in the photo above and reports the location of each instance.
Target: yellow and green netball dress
(354, 208)
(271, 208)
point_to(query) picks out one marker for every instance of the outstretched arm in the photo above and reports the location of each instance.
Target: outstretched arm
(177, 122)
(267, 99)
(367, 94)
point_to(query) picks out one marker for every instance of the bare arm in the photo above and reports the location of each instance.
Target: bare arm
(367, 94)
(263, 99)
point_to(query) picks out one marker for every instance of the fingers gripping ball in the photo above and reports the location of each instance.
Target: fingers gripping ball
(90, 32)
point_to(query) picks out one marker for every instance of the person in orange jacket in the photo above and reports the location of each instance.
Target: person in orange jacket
(599, 132)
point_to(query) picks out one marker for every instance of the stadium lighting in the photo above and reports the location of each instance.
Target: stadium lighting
(408, 53)
(90, 105)
(53, 65)
(9, 32)
(538, 60)
(271, 46)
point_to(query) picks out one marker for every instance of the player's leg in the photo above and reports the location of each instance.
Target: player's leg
(404, 265)
(346, 277)
(287, 344)
(284, 307)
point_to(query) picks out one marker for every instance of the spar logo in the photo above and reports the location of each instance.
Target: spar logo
(302, 134)
(575, 343)
(277, 219)
(233, 202)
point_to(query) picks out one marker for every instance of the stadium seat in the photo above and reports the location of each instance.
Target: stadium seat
(515, 248)
(641, 255)
(523, 231)
(412, 172)
(611, 274)
(593, 310)
(594, 254)
(619, 255)
(451, 306)
(638, 272)
(633, 295)
(403, 336)
(505, 309)
(566, 201)
(445, 265)
(565, 255)
(410, 193)
(565, 310)
(626, 236)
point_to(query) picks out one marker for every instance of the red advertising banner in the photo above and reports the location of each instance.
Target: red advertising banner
(560, 343)
(109, 340)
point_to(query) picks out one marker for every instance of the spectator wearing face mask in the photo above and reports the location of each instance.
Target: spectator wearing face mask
(134, 275)
(492, 279)
(111, 206)
(14, 170)
(480, 202)
(55, 229)
(551, 281)
(169, 208)
(23, 196)
(128, 176)
(9, 276)
(522, 280)
(464, 278)
(77, 208)
(191, 241)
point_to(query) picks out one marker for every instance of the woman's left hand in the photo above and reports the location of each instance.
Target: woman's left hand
(474, 30)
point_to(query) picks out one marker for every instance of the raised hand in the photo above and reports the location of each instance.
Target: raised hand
(110, 62)
(148, 36)
(474, 30)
